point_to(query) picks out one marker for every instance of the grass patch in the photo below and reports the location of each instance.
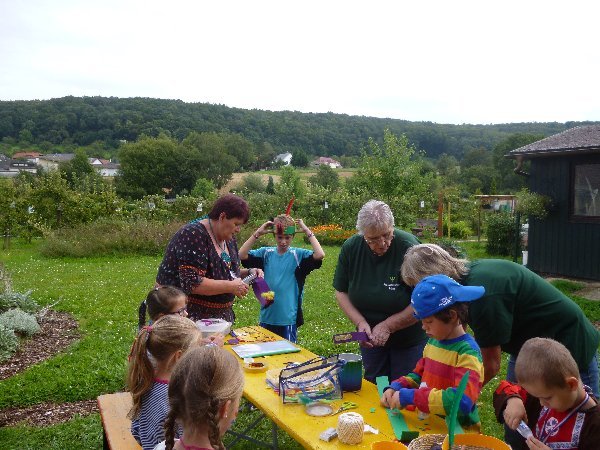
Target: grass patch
(103, 293)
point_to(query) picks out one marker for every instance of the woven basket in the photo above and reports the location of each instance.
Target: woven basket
(426, 441)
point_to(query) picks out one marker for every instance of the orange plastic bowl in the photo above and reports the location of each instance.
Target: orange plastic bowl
(477, 440)
(388, 445)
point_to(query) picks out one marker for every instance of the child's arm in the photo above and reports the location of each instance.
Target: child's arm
(243, 251)
(318, 252)
(509, 404)
(436, 400)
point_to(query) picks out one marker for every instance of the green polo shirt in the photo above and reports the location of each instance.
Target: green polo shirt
(374, 285)
(518, 305)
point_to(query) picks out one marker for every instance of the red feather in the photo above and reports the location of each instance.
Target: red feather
(289, 206)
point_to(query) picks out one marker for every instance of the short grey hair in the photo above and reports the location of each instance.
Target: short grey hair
(423, 260)
(374, 215)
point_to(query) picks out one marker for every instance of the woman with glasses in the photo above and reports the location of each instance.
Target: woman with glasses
(370, 292)
(202, 260)
(518, 305)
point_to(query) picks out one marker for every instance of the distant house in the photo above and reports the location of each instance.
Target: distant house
(285, 157)
(12, 167)
(53, 160)
(29, 156)
(324, 160)
(566, 168)
(105, 167)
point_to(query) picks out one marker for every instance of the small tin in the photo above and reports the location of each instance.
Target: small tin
(318, 409)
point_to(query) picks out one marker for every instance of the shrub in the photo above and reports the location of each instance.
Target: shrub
(458, 230)
(12, 300)
(331, 234)
(501, 234)
(9, 342)
(20, 322)
(110, 237)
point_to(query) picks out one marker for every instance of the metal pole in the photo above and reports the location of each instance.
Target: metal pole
(517, 235)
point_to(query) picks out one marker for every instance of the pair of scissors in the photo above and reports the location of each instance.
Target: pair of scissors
(345, 406)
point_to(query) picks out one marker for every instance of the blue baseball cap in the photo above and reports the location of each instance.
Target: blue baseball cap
(437, 292)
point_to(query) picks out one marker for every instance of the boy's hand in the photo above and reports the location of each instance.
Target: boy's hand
(265, 228)
(534, 443)
(302, 226)
(514, 412)
(391, 399)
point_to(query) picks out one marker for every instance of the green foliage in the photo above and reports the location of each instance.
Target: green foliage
(251, 183)
(501, 234)
(508, 180)
(20, 322)
(326, 177)
(149, 165)
(270, 186)
(204, 189)
(24, 302)
(532, 204)
(289, 184)
(79, 166)
(299, 158)
(390, 173)
(85, 121)
(9, 342)
(458, 230)
(110, 237)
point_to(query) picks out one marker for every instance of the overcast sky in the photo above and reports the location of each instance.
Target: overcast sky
(484, 61)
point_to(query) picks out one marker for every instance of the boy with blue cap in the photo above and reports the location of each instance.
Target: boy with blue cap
(440, 303)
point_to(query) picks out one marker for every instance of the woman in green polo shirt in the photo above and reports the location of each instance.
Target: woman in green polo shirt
(370, 292)
(518, 305)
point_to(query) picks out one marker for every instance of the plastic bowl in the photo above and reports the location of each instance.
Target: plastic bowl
(256, 366)
(477, 440)
(388, 445)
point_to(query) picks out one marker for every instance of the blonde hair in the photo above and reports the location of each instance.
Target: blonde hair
(204, 379)
(546, 360)
(160, 341)
(423, 260)
(374, 215)
(281, 222)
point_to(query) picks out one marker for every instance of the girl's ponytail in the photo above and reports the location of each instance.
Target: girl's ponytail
(142, 315)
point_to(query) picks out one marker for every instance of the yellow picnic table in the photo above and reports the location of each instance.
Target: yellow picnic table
(306, 429)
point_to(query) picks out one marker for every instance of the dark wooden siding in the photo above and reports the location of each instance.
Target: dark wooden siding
(558, 245)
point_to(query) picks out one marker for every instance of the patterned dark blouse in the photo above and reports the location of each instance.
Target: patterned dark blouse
(189, 258)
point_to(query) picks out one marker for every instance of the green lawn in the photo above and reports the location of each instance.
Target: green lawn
(103, 294)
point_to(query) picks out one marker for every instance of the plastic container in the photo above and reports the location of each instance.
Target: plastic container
(477, 440)
(209, 327)
(388, 445)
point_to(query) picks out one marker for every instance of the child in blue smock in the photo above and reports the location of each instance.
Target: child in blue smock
(286, 269)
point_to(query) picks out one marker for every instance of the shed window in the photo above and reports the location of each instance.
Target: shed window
(586, 184)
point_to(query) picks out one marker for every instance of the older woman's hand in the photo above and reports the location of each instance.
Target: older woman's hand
(363, 326)
(238, 287)
(380, 334)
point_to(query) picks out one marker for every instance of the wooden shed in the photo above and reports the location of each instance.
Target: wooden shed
(566, 168)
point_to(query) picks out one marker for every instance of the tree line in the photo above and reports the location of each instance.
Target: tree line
(108, 122)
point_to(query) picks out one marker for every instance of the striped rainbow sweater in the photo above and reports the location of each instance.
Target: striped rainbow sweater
(441, 368)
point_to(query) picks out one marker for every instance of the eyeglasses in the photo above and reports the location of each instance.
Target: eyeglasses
(386, 238)
(182, 312)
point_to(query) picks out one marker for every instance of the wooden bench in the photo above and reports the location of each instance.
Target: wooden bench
(423, 225)
(117, 427)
